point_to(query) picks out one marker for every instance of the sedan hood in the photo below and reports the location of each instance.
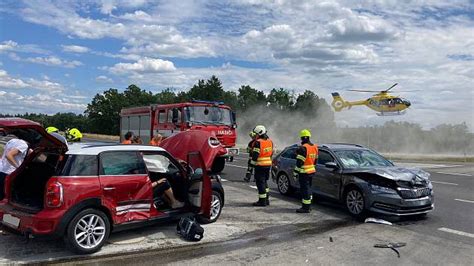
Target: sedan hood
(394, 173)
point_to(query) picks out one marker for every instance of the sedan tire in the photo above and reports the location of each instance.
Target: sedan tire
(216, 209)
(355, 202)
(87, 232)
(284, 184)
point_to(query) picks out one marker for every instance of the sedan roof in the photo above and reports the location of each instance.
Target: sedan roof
(335, 146)
(95, 149)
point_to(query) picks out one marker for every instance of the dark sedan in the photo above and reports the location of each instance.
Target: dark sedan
(361, 179)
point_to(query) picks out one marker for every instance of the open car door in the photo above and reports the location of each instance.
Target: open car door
(200, 191)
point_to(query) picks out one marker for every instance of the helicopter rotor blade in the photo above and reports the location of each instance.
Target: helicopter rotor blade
(363, 91)
(392, 87)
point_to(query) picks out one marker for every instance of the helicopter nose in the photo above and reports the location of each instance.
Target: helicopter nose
(407, 103)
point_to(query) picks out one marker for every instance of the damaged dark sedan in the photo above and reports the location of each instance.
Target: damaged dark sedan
(360, 178)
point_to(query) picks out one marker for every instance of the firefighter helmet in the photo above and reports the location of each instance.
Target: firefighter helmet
(305, 133)
(74, 134)
(51, 130)
(260, 130)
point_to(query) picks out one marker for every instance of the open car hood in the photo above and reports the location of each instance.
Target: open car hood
(31, 132)
(182, 143)
(393, 173)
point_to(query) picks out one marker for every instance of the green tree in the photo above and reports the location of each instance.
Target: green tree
(280, 99)
(210, 90)
(248, 97)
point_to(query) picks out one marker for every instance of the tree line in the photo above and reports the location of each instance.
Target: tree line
(283, 111)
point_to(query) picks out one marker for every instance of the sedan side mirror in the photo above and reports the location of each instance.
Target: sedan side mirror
(331, 165)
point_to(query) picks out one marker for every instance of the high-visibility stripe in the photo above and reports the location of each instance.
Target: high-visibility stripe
(256, 149)
(267, 190)
(306, 201)
(262, 196)
(300, 157)
(253, 162)
(264, 161)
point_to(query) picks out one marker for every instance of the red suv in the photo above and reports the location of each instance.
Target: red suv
(84, 192)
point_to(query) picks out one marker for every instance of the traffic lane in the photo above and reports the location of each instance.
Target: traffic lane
(453, 216)
(448, 213)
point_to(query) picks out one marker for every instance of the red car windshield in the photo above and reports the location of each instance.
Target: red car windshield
(208, 115)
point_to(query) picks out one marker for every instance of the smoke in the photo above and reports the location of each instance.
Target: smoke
(283, 128)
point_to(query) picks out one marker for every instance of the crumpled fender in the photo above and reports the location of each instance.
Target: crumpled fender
(182, 143)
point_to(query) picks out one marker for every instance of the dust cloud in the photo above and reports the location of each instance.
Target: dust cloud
(393, 137)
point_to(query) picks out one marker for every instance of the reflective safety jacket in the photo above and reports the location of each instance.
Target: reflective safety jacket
(306, 159)
(262, 153)
(127, 142)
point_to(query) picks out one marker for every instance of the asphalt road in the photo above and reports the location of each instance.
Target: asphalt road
(453, 217)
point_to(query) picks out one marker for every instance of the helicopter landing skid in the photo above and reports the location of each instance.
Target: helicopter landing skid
(391, 113)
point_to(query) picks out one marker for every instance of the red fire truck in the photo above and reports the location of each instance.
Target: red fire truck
(167, 119)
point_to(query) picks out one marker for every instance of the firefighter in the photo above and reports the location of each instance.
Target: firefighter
(252, 136)
(261, 160)
(306, 158)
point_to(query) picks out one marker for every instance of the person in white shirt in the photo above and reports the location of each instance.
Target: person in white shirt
(13, 155)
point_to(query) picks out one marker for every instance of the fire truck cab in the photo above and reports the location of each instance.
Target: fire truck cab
(167, 119)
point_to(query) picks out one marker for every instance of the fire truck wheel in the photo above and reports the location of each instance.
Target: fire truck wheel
(218, 165)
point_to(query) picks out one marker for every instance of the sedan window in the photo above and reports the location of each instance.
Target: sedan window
(80, 165)
(361, 159)
(122, 163)
(158, 163)
(324, 157)
(289, 154)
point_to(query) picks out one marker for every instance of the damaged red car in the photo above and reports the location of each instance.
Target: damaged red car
(83, 192)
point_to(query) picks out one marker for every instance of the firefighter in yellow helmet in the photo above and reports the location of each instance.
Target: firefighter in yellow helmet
(306, 159)
(261, 161)
(73, 135)
(52, 129)
(253, 138)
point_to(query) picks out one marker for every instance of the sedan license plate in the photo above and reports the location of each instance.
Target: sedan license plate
(11, 221)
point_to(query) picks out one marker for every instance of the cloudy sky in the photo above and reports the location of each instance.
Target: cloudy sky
(56, 55)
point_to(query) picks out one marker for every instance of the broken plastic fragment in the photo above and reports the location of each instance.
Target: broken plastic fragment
(377, 221)
(392, 246)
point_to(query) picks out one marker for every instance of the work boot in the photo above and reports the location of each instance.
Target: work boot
(267, 200)
(305, 208)
(260, 203)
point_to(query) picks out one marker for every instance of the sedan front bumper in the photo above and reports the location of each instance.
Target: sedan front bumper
(393, 204)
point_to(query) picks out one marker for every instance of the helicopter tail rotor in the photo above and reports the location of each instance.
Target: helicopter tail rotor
(338, 103)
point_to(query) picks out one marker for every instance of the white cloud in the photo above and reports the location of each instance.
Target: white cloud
(144, 65)
(9, 82)
(8, 46)
(107, 6)
(75, 49)
(48, 61)
(103, 79)
(13, 103)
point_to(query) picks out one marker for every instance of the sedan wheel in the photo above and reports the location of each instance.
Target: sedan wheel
(355, 202)
(87, 231)
(283, 183)
(215, 206)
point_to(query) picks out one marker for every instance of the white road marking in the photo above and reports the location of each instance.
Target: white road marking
(224, 180)
(254, 187)
(444, 183)
(426, 165)
(452, 231)
(238, 166)
(446, 173)
(465, 200)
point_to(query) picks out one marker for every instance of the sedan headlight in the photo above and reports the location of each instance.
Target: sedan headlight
(380, 189)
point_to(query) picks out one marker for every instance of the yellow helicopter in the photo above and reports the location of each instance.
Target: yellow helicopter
(381, 102)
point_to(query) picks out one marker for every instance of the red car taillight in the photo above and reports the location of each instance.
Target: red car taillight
(54, 194)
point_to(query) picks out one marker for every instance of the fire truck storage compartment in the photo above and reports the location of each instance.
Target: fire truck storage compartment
(29, 186)
(138, 124)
